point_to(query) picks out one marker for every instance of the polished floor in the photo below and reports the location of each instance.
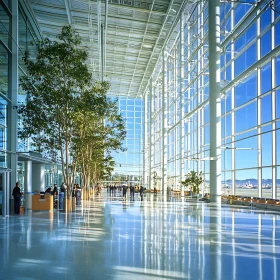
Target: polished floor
(108, 238)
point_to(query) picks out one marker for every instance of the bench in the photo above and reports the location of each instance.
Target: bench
(259, 202)
(273, 204)
(176, 192)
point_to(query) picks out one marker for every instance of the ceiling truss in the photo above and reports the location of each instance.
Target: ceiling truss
(135, 33)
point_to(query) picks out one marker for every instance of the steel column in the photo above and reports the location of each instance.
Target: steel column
(214, 100)
(150, 134)
(12, 93)
(164, 123)
(181, 126)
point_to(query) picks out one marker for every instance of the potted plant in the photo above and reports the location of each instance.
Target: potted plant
(193, 179)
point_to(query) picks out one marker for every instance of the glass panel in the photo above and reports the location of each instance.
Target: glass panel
(206, 113)
(246, 38)
(266, 104)
(246, 182)
(7, 3)
(226, 183)
(265, 19)
(3, 70)
(226, 125)
(278, 103)
(267, 149)
(246, 90)
(239, 12)
(22, 41)
(278, 182)
(246, 153)
(226, 103)
(246, 117)
(277, 70)
(277, 34)
(3, 129)
(266, 78)
(4, 26)
(246, 59)
(226, 158)
(267, 182)
(266, 43)
(278, 147)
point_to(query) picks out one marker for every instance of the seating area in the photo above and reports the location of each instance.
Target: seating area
(176, 192)
(152, 191)
(258, 202)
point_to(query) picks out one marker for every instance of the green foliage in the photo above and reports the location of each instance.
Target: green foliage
(193, 179)
(67, 116)
(55, 81)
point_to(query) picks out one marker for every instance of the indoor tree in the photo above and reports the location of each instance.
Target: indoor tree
(193, 179)
(59, 87)
(99, 129)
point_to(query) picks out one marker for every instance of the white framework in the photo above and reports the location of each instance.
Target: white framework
(246, 138)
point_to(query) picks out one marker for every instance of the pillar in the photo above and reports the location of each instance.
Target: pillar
(38, 177)
(151, 135)
(28, 185)
(164, 123)
(145, 146)
(181, 126)
(4, 196)
(214, 100)
(12, 94)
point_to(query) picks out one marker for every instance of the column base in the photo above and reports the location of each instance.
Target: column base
(216, 198)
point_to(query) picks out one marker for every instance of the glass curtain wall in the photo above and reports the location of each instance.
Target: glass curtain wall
(27, 40)
(5, 53)
(250, 102)
(128, 164)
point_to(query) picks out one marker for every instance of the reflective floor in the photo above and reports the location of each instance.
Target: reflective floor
(108, 238)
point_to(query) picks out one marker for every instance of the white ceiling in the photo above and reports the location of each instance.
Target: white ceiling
(135, 33)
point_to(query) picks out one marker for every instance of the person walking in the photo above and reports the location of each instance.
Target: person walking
(17, 196)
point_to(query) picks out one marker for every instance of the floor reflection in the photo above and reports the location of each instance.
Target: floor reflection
(158, 238)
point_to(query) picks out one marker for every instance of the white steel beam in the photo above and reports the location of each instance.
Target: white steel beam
(164, 124)
(273, 109)
(259, 111)
(143, 40)
(214, 100)
(68, 11)
(151, 135)
(181, 125)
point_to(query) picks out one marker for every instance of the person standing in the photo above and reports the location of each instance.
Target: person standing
(62, 188)
(55, 189)
(132, 190)
(17, 195)
(141, 192)
(124, 191)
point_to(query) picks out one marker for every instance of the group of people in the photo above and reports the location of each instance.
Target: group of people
(63, 189)
(50, 191)
(112, 189)
(17, 194)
